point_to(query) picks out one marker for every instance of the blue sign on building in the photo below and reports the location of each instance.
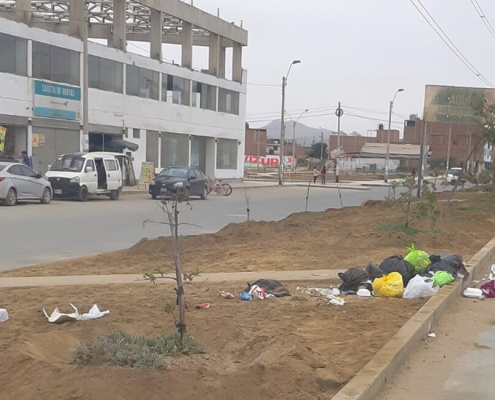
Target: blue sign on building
(52, 100)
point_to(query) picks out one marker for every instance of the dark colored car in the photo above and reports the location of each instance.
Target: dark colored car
(192, 179)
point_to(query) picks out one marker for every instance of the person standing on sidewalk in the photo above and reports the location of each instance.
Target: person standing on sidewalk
(324, 175)
(315, 174)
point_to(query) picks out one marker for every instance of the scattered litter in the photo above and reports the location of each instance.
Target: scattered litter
(398, 264)
(337, 302)
(488, 289)
(270, 286)
(476, 281)
(319, 291)
(246, 296)
(419, 287)
(226, 295)
(442, 278)
(364, 293)
(59, 317)
(257, 292)
(352, 279)
(336, 292)
(492, 273)
(270, 296)
(432, 335)
(4, 315)
(203, 306)
(417, 258)
(473, 293)
(298, 289)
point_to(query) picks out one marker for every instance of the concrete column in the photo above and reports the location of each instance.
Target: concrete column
(29, 138)
(76, 19)
(117, 39)
(187, 44)
(237, 63)
(23, 11)
(221, 61)
(156, 21)
(214, 54)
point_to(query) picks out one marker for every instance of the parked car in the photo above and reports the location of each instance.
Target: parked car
(169, 179)
(19, 182)
(78, 175)
(453, 175)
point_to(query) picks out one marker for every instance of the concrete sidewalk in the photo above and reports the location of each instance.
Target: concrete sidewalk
(310, 275)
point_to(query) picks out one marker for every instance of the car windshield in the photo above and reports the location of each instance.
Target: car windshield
(2, 167)
(174, 172)
(455, 172)
(68, 162)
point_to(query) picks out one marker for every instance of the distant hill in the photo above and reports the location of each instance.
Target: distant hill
(304, 134)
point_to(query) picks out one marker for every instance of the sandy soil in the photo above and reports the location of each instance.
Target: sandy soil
(334, 239)
(290, 348)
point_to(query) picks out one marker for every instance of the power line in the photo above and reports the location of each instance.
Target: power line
(445, 38)
(140, 48)
(483, 17)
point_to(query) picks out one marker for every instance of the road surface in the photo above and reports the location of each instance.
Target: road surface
(34, 233)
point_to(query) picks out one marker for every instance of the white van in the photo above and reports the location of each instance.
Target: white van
(78, 175)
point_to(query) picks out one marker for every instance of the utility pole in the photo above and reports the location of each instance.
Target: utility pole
(339, 112)
(469, 150)
(321, 146)
(421, 159)
(85, 82)
(258, 148)
(448, 150)
(387, 157)
(294, 158)
(282, 137)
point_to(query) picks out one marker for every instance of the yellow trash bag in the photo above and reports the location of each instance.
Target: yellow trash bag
(389, 286)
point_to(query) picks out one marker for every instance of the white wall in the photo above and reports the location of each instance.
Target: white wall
(139, 156)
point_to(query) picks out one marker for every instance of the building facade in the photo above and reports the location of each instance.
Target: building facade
(174, 114)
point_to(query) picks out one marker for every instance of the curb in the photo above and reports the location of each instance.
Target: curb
(369, 381)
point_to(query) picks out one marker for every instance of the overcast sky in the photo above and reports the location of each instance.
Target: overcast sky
(356, 51)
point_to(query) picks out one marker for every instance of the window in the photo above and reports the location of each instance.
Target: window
(136, 133)
(55, 63)
(69, 162)
(192, 174)
(228, 101)
(175, 149)
(203, 96)
(227, 154)
(16, 170)
(142, 82)
(27, 172)
(110, 165)
(175, 90)
(16, 49)
(105, 74)
(90, 164)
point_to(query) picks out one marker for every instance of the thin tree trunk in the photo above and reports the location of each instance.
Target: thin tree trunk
(307, 194)
(462, 173)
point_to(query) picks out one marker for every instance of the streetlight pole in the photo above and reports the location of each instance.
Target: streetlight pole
(282, 126)
(294, 123)
(85, 82)
(388, 136)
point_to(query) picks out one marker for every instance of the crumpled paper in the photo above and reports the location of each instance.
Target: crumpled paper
(58, 317)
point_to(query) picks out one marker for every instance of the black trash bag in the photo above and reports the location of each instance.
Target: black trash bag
(451, 263)
(374, 272)
(398, 264)
(271, 286)
(353, 279)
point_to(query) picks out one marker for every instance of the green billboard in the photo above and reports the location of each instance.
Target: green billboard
(453, 104)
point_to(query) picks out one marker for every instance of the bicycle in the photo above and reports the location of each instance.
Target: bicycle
(219, 188)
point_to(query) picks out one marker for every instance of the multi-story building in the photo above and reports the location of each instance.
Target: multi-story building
(169, 114)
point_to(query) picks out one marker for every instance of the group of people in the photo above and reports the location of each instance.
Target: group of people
(322, 172)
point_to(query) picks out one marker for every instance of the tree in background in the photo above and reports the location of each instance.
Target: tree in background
(316, 150)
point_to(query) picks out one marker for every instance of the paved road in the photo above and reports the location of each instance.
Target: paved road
(33, 234)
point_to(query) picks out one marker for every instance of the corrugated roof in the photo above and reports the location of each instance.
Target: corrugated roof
(396, 150)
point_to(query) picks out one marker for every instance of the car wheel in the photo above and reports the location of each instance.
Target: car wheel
(11, 199)
(46, 197)
(83, 194)
(204, 195)
(114, 194)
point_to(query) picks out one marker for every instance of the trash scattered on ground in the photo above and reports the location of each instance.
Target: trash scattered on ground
(270, 296)
(419, 287)
(363, 293)
(417, 258)
(389, 286)
(270, 286)
(319, 291)
(451, 263)
(4, 315)
(375, 272)
(246, 296)
(58, 317)
(203, 306)
(298, 289)
(257, 292)
(492, 273)
(337, 302)
(488, 289)
(353, 279)
(473, 293)
(432, 335)
(442, 278)
(476, 281)
(226, 295)
(336, 292)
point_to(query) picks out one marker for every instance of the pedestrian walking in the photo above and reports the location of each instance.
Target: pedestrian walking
(324, 175)
(315, 174)
(26, 159)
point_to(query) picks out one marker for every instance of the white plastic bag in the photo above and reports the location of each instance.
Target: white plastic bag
(4, 315)
(419, 287)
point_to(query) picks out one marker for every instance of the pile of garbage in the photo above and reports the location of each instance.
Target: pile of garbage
(487, 289)
(414, 276)
(262, 289)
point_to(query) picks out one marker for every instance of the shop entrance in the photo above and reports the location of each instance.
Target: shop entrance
(15, 141)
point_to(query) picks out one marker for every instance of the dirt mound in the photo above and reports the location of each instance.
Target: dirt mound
(334, 239)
